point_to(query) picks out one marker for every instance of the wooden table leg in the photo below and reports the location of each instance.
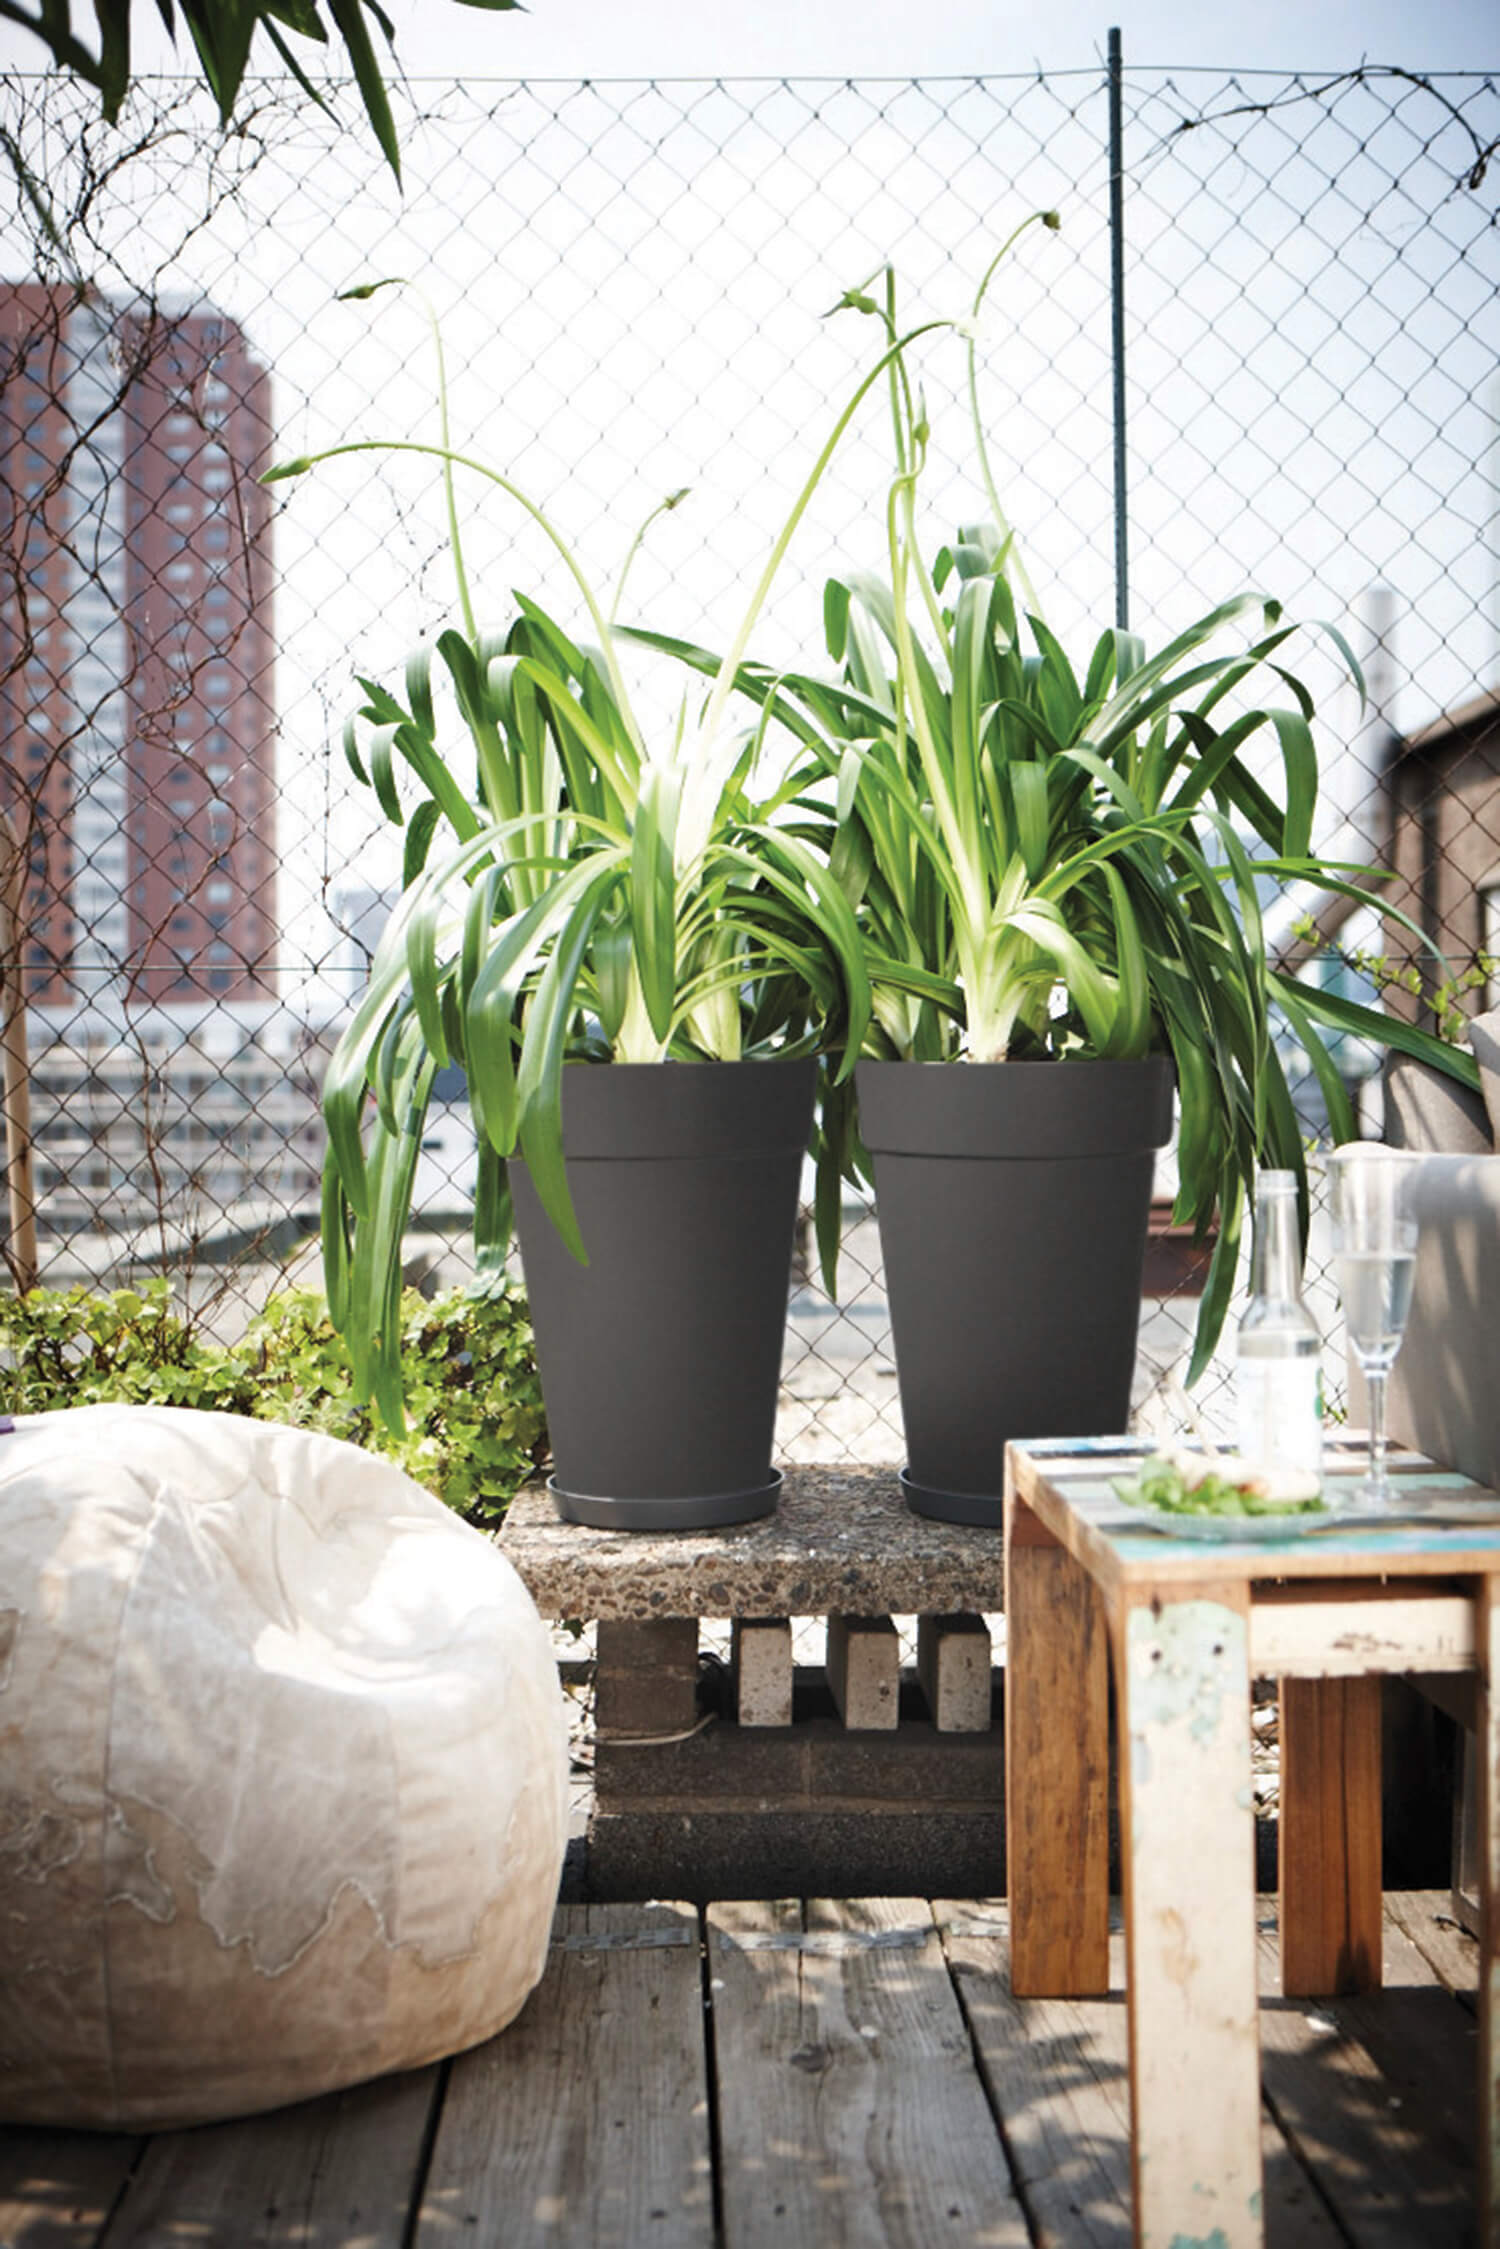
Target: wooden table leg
(1329, 1836)
(1187, 1839)
(1056, 1766)
(1487, 1747)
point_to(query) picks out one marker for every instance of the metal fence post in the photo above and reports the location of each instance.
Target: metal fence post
(1117, 324)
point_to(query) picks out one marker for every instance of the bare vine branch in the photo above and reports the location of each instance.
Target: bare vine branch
(1365, 74)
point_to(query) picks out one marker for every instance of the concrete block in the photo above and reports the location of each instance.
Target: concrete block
(646, 1680)
(761, 1768)
(864, 1670)
(953, 1664)
(815, 1763)
(762, 1660)
(912, 1768)
(712, 1854)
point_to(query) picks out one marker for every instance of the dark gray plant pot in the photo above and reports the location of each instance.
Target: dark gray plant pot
(1013, 1200)
(661, 1358)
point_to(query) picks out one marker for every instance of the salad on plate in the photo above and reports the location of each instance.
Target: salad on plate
(1220, 1485)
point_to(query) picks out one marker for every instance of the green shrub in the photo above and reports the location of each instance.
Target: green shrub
(475, 1424)
(69, 1347)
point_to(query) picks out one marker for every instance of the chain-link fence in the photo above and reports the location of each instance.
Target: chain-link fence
(633, 284)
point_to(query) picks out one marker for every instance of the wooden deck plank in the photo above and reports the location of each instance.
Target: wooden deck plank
(1426, 2045)
(850, 2109)
(1381, 2159)
(318, 2176)
(1426, 1917)
(585, 2124)
(1057, 2071)
(57, 2188)
(1058, 2074)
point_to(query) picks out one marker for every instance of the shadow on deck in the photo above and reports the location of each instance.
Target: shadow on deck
(799, 2075)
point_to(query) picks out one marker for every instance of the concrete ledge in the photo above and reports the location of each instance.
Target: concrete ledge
(842, 1539)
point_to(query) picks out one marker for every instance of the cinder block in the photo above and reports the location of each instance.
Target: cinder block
(953, 1664)
(805, 1853)
(762, 1658)
(646, 1677)
(864, 1671)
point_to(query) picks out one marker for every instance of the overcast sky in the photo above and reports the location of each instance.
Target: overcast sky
(656, 38)
(862, 37)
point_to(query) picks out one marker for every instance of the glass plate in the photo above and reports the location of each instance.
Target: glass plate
(1229, 1529)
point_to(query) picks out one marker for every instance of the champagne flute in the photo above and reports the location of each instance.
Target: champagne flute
(1375, 1244)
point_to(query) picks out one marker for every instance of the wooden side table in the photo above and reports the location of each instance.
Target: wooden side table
(1189, 1624)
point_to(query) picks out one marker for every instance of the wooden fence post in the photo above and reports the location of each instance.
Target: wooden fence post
(16, 1093)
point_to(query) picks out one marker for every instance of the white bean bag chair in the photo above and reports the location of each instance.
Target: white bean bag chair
(283, 1770)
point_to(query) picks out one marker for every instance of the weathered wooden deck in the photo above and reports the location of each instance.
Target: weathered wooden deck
(798, 2076)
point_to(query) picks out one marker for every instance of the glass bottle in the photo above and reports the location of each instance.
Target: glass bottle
(1279, 1376)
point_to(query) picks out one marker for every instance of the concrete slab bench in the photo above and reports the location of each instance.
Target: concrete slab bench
(850, 1777)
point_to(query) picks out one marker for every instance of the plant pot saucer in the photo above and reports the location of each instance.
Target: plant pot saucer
(713, 1511)
(985, 1510)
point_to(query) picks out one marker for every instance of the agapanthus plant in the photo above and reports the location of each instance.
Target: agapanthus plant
(573, 891)
(1050, 861)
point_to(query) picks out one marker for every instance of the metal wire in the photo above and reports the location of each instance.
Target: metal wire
(633, 281)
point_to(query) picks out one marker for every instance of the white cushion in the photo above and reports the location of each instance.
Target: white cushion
(1431, 1113)
(1484, 1038)
(1444, 1397)
(283, 1770)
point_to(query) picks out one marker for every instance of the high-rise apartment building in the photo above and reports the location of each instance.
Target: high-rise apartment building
(136, 651)
(136, 764)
